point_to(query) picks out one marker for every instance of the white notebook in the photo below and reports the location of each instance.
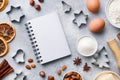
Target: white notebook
(48, 38)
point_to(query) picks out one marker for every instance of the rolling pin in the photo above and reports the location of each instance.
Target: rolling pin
(115, 49)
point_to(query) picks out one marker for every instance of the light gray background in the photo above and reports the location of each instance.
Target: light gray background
(72, 34)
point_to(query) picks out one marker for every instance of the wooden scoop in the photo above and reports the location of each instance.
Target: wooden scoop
(115, 49)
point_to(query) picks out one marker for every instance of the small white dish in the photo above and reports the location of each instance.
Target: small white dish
(87, 45)
(107, 72)
(107, 13)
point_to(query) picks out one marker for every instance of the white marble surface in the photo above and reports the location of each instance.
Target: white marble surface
(72, 33)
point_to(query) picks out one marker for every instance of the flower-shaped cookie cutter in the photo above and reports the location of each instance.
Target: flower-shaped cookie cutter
(101, 59)
(80, 18)
(19, 57)
(15, 14)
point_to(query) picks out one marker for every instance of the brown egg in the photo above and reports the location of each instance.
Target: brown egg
(93, 5)
(96, 25)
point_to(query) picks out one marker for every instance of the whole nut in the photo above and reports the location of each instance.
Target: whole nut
(33, 65)
(64, 67)
(37, 7)
(30, 60)
(28, 67)
(42, 73)
(41, 0)
(32, 2)
(59, 72)
(50, 77)
(118, 35)
(72, 76)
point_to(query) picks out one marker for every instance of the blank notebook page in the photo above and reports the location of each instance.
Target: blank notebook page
(50, 37)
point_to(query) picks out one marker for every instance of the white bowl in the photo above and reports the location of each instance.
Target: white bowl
(86, 55)
(107, 72)
(106, 12)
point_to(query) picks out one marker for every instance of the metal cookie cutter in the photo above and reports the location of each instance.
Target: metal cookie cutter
(20, 76)
(19, 57)
(80, 19)
(15, 14)
(101, 59)
(66, 8)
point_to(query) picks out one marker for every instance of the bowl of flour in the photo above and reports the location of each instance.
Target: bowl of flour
(113, 12)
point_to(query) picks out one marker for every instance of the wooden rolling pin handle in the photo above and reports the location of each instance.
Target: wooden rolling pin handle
(115, 49)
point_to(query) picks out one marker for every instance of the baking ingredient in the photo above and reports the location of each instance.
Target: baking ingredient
(64, 67)
(33, 65)
(5, 69)
(93, 5)
(86, 67)
(77, 61)
(96, 25)
(72, 76)
(114, 46)
(28, 67)
(59, 72)
(114, 12)
(50, 77)
(3, 47)
(118, 35)
(7, 31)
(32, 2)
(41, 0)
(37, 7)
(87, 46)
(30, 60)
(42, 73)
(3, 4)
(107, 75)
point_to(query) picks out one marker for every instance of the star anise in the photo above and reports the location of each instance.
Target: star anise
(86, 67)
(77, 61)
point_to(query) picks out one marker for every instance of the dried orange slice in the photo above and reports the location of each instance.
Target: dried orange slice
(3, 4)
(3, 47)
(7, 31)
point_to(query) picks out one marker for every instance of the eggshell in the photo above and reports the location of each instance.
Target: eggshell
(96, 25)
(93, 5)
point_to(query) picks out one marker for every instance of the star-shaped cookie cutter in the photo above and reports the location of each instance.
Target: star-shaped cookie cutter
(15, 14)
(80, 18)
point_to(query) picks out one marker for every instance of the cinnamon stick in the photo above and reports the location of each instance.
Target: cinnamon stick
(6, 72)
(5, 68)
(3, 63)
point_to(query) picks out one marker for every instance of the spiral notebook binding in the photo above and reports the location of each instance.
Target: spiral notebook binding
(33, 42)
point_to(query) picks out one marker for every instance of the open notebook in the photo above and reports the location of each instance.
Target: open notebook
(47, 38)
